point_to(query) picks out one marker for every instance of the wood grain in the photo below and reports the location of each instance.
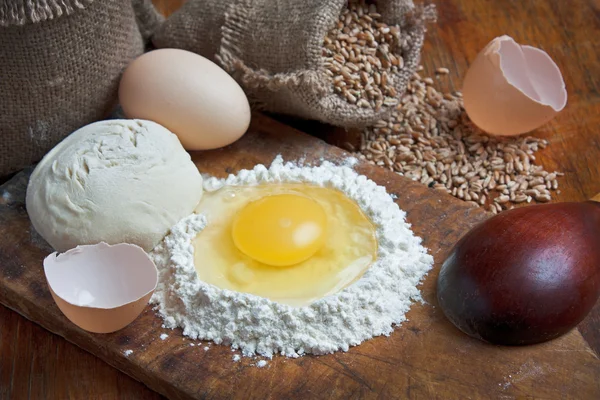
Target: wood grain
(426, 358)
(36, 362)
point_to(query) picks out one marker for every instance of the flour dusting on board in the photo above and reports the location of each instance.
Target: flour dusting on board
(258, 326)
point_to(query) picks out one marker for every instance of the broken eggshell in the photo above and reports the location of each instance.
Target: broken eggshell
(101, 288)
(511, 89)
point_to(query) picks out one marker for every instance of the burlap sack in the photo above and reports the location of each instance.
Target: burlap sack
(60, 66)
(274, 49)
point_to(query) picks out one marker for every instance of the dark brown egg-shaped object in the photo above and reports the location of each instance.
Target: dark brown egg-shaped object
(526, 275)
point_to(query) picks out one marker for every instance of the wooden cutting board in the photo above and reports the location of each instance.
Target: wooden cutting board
(426, 357)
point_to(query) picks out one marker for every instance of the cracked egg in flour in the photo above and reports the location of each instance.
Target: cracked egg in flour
(291, 243)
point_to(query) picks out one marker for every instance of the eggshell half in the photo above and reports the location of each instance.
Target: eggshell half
(511, 89)
(101, 288)
(188, 94)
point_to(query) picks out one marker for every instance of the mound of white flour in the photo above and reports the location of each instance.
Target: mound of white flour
(255, 325)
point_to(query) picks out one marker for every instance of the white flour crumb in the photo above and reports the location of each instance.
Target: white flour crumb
(370, 307)
(128, 353)
(237, 358)
(163, 336)
(350, 162)
(192, 344)
(206, 348)
(261, 364)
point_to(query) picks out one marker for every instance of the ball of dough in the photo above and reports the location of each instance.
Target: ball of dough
(117, 181)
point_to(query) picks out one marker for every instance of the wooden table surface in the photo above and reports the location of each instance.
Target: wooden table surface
(37, 364)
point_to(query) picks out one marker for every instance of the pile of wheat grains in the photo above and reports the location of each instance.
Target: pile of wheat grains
(362, 55)
(429, 138)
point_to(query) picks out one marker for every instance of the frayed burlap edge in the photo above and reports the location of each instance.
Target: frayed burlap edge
(21, 12)
(254, 80)
(234, 30)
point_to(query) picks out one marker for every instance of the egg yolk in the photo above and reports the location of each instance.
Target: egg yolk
(280, 230)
